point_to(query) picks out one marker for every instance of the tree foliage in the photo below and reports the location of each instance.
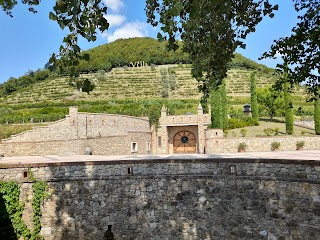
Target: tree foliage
(288, 108)
(219, 107)
(270, 102)
(216, 109)
(82, 18)
(125, 52)
(254, 100)
(210, 30)
(224, 105)
(317, 115)
(301, 49)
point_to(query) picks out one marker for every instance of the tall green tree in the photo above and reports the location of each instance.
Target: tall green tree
(224, 105)
(254, 99)
(211, 31)
(216, 109)
(271, 102)
(301, 49)
(288, 108)
(317, 115)
(219, 107)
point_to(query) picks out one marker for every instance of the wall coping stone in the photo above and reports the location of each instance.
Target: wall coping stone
(311, 157)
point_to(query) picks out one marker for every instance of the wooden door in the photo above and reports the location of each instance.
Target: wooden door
(184, 142)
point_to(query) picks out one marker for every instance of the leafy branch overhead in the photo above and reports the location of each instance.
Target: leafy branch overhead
(301, 50)
(82, 18)
(211, 31)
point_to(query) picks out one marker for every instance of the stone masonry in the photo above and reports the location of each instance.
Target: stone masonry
(177, 198)
(104, 134)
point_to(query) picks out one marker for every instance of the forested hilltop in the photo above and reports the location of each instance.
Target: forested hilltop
(121, 53)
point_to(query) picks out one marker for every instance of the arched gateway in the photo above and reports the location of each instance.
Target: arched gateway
(184, 142)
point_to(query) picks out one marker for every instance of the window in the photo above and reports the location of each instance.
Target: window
(148, 146)
(134, 147)
(159, 141)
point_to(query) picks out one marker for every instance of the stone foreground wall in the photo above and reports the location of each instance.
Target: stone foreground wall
(259, 144)
(179, 199)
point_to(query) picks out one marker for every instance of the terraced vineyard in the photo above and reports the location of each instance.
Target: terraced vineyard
(139, 82)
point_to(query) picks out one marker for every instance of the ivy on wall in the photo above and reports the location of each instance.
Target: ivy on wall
(11, 209)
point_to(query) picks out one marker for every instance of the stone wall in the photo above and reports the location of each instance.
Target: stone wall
(258, 144)
(105, 134)
(178, 199)
(113, 145)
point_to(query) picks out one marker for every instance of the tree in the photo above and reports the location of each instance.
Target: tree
(271, 101)
(82, 18)
(287, 101)
(224, 105)
(219, 107)
(288, 108)
(210, 30)
(254, 100)
(216, 109)
(317, 115)
(301, 49)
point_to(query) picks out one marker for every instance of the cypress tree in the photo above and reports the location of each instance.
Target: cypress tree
(216, 109)
(317, 115)
(254, 99)
(288, 109)
(287, 102)
(224, 105)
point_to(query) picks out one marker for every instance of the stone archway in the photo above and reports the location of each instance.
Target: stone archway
(184, 142)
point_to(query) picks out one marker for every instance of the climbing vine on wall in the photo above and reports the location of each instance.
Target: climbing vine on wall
(10, 192)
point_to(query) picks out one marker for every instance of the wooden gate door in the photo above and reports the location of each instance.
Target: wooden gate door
(184, 142)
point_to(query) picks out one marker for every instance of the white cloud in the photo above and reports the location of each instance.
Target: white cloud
(115, 19)
(128, 30)
(114, 5)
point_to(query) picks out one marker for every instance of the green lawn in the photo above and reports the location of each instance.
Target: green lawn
(263, 124)
(7, 130)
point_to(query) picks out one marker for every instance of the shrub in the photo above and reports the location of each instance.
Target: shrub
(243, 132)
(242, 146)
(303, 132)
(268, 131)
(275, 146)
(300, 145)
(236, 123)
(226, 132)
(276, 131)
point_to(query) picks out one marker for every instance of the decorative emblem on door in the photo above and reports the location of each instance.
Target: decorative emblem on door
(184, 142)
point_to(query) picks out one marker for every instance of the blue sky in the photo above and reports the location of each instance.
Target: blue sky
(28, 39)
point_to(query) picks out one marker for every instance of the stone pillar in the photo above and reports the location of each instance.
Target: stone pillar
(162, 132)
(73, 111)
(201, 131)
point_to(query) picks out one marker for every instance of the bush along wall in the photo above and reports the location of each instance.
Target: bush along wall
(11, 209)
(317, 115)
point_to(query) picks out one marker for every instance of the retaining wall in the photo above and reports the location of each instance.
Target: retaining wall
(177, 198)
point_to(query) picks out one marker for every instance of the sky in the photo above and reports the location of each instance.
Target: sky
(27, 40)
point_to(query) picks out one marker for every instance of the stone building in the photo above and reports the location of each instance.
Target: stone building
(110, 134)
(181, 133)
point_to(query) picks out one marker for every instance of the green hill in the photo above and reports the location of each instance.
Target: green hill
(132, 82)
(126, 81)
